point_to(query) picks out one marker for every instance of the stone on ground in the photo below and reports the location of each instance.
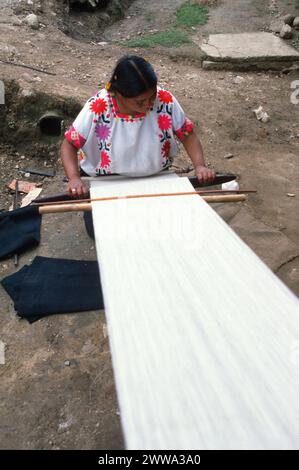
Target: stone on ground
(248, 51)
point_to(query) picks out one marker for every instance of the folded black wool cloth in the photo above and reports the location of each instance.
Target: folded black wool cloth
(19, 231)
(50, 286)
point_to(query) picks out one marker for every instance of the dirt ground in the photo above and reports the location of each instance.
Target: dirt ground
(46, 404)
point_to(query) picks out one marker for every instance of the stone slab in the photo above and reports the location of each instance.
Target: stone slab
(250, 47)
(244, 66)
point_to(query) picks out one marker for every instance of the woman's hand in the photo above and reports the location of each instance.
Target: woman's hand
(204, 174)
(76, 188)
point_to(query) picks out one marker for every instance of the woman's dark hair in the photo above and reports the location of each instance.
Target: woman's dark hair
(133, 76)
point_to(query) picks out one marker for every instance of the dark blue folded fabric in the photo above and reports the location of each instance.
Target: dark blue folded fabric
(19, 231)
(50, 286)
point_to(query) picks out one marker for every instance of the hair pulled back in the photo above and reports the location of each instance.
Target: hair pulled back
(133, 76)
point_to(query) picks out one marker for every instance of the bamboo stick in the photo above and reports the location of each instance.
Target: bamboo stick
(130, 196)
(200, 192)
(86, 206)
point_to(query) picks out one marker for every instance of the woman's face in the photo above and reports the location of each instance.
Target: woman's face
(139, 104)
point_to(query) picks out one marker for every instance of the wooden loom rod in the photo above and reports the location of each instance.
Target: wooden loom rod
(86, 206)
(62, 198)
(137, 196)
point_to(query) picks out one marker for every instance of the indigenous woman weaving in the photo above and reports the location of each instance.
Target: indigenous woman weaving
(129, 128)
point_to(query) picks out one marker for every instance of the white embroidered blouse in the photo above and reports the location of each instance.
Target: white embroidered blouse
(140, 145)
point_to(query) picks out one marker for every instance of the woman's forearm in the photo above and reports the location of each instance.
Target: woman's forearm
(69, 159)
(194, 149)
(68, 153)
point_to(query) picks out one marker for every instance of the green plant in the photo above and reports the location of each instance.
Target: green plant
(172, 38)
(191, 14)
(187, 15)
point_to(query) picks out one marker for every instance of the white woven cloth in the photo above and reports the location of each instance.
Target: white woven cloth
(204, 337)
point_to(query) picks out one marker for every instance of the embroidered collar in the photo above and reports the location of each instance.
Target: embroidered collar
(116, 112)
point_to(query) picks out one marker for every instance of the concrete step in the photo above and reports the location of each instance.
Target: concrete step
(247, 51)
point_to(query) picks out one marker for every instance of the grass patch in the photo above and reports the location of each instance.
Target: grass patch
(192, 14)
(172, 38)
(297, 3)
(187, 15)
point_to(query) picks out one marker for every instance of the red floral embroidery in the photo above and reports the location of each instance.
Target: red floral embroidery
(165, 96)
(164, 122)
(125, 117)
(105, 160)
(185, 130)
(74, 137)
(166, 149)
(98, 106)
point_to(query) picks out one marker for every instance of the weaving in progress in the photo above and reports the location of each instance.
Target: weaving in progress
(202, 334)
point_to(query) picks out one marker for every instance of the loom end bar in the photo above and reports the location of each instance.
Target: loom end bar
(52, 209)
(86, 206)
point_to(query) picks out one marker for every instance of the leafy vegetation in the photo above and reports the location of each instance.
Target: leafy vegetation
(191, 14)
(172, 38)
